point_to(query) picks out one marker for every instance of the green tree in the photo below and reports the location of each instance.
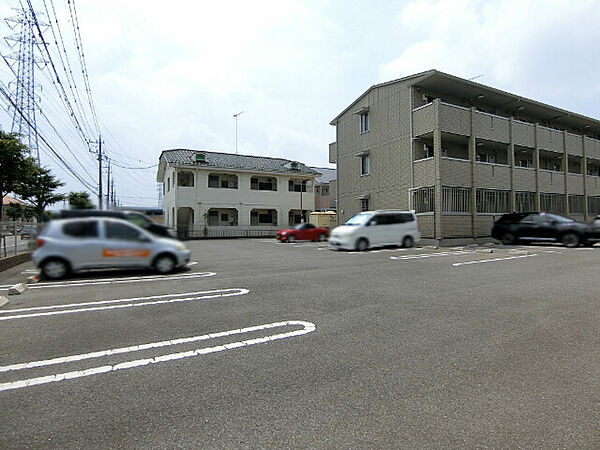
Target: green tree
(13, 160)
(79, 200)
(28, 212)
(14, 210)
(38, 188)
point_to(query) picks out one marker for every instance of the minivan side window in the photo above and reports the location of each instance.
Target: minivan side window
(82, 229)
(404, 218)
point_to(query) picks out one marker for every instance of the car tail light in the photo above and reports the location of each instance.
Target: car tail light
(39, 242)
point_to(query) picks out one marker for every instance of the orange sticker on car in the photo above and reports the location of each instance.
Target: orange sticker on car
(125, 253)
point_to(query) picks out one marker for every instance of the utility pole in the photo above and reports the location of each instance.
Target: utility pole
(108, 186)
(100, 172)
(112, 192)
(235, 116)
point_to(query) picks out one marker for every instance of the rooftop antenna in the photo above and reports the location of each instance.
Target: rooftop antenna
(475, 77)
(235, 116)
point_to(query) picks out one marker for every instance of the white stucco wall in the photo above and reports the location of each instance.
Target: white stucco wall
(201, 198)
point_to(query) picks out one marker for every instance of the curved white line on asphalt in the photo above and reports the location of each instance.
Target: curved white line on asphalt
(480, 261)
(120, 303)
(136, 279)
(307, 327)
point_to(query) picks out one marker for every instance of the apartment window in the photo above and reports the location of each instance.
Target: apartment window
(552, 203)
(524, 201)
(185, 179)
(213, 217)
(423, 199)
(456, 199)
(263, 217)
(488, 157)
(222, 181)
(364, 122)
(491, 201)
(263, 184)
(576, 204)
(168, 184)
(594, 205)
(297, 185)
(429, 150)
(365, 164)
(364, 204)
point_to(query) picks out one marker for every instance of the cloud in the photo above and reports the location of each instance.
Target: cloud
(531, 47)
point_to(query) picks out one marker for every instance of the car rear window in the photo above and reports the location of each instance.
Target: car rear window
(81, 229)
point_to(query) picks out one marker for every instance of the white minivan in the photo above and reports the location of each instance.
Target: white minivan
(376, 229)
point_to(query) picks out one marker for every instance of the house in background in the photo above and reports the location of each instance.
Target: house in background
(461, 154)
(222, 194)
(325, 192)
(7, 200)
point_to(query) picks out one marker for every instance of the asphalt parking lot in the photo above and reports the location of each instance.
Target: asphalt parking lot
(260, 344)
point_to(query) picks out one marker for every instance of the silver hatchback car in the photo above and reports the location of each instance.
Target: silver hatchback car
(71, 245)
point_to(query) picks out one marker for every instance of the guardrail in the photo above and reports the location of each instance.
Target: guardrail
(17, 237)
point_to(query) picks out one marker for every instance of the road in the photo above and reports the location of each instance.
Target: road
(267, 345)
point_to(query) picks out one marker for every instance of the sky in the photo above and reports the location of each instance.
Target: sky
(167, 75)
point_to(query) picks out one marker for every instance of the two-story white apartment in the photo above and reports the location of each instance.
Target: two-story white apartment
(207, 193)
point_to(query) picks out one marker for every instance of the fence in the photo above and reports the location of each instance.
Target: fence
(17, 237)
(217, 232)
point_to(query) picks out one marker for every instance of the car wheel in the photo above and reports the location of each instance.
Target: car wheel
(55, 269)
(322, 237)
(362, 244)
(291, 239)
(570, 240)
(508, 238)
(164, 264)
(407, 242)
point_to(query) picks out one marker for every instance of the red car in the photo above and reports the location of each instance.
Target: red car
(302, 232)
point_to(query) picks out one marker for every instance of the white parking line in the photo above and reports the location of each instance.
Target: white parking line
(492, 260)
(134, 302)
(95, 282)
(430, 255)
(307, 327)
(402, 249)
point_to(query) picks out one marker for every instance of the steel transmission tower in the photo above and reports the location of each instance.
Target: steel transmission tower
(24, 44)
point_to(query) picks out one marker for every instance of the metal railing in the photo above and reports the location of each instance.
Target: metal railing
(225, 232)
(17, 237)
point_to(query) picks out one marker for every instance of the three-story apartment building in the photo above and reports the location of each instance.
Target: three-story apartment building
(461, 154)
(210, 192)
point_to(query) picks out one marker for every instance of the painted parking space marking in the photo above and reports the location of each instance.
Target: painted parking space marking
(135, 302)
(481, 261)
(381, 250)
(101, 281)
(430, 255)
(306, 327)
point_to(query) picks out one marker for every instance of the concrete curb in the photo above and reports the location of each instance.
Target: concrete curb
(12, 261)
(17, 289)
(3, 301)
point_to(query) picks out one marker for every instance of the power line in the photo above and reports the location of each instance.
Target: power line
(79, 45)
(69, 73)
(33, 100)
(43, 139)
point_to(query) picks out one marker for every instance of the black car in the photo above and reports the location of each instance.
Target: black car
(541, 226)
(132, 216)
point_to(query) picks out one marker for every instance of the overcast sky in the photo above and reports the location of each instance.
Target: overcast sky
(172, 74)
